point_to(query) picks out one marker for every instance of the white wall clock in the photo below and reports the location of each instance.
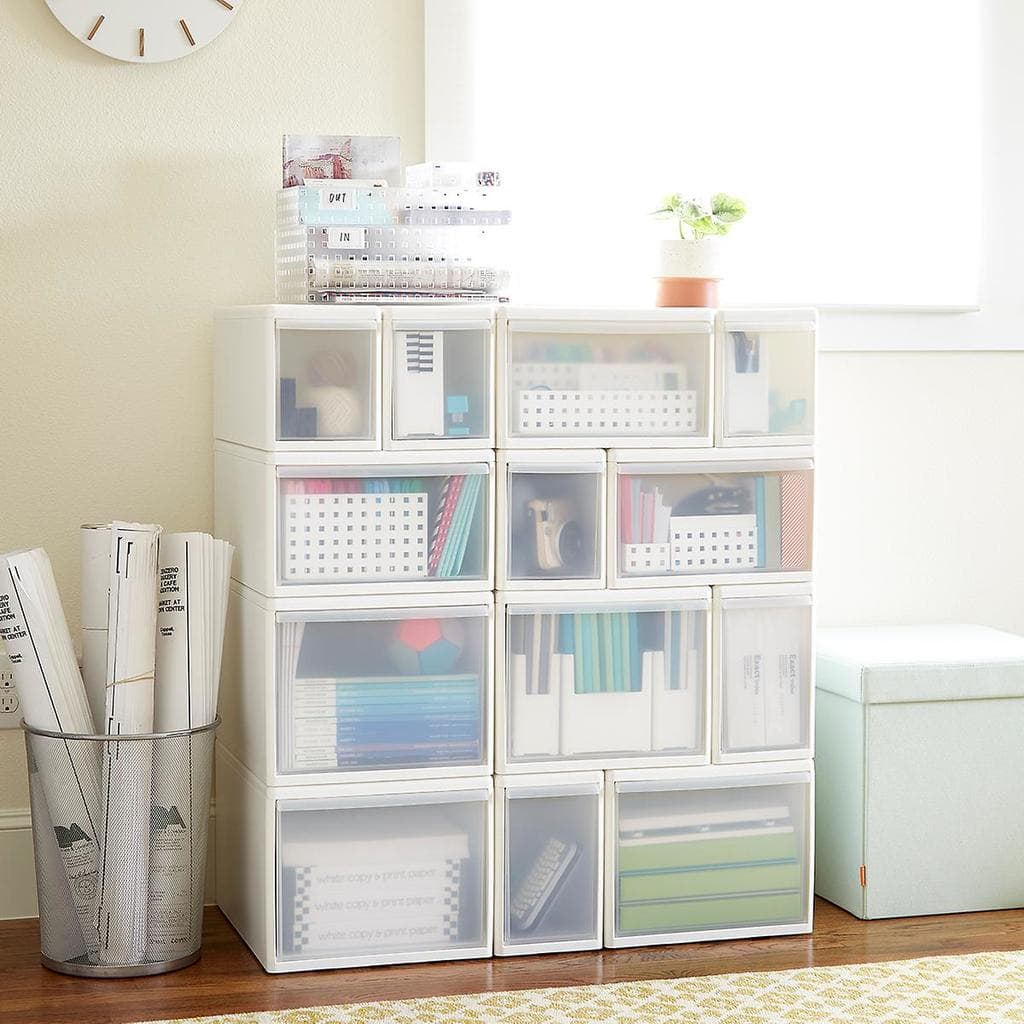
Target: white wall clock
(144, 31)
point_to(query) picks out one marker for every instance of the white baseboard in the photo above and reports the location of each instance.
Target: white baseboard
(18, 888)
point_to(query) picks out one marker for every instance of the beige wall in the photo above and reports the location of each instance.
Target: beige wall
(145, 198)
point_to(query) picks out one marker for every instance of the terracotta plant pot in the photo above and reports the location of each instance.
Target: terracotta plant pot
(686, 291)
(688, 272)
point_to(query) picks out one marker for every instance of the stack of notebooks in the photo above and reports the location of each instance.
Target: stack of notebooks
(391, 889)
(456, 514)
(383, 722)
(382, 536)
(729, 868)
(376, 719)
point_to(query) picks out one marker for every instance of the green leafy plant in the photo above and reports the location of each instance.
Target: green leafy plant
(698, 218)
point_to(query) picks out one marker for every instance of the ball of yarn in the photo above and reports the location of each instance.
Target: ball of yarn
(339, 411)
(331, 367)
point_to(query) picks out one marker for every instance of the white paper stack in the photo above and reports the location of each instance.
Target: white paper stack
(51, 691)
(195, 573)
(764, 667)
(127, 766)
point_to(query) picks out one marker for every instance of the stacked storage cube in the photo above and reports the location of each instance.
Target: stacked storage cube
(654, 541)
(612, 611)
(354, 471)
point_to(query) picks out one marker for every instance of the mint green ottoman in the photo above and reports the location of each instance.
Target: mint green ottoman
(919, 763)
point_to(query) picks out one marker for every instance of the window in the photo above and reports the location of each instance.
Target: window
(852, 130)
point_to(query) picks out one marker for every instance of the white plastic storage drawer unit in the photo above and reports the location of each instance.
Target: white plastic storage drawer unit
(548, 862)
(710, 516)
(358, 689)
(600, 679)
(766, 377)
(439, 388)
(722, 852)
(355, 875)
(574, 378)
(551, 520)
(920, 768)
(290, 378)
(763, 693)
(305, 525)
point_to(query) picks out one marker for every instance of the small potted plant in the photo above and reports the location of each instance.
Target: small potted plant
(689, 267)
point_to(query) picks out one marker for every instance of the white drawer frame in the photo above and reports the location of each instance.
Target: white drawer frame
(627, 462)
(609, 600)
(246, 513)
(556, 784)
(713, 776)
(249, 699)
(247, 849)
(782, 595)
(410, 318)
(246, 379)
(596, 322)
(583, 461)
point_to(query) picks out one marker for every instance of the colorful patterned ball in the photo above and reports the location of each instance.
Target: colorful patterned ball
(427, 646)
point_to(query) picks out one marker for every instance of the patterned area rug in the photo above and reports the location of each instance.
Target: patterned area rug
(985, 988)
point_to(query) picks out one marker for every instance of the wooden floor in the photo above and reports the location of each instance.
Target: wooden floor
(229, 979)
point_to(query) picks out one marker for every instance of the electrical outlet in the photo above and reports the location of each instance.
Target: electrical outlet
(10, 708)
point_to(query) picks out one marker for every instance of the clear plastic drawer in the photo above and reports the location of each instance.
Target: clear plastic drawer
(441, 379)
(326, 382)
(764, 682)
(290, 378)
(386, 877)
(711, 521)
(383, 689)
(416, 522)
(766, 377)
(694, 858)
(314, 524)
(620, 680)
(551, 510)
(549, 842)
(614, 381)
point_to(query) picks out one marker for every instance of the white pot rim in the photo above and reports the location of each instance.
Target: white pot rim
(691, 257)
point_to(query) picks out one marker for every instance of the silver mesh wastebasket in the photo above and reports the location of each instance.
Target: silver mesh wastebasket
(119, 831)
